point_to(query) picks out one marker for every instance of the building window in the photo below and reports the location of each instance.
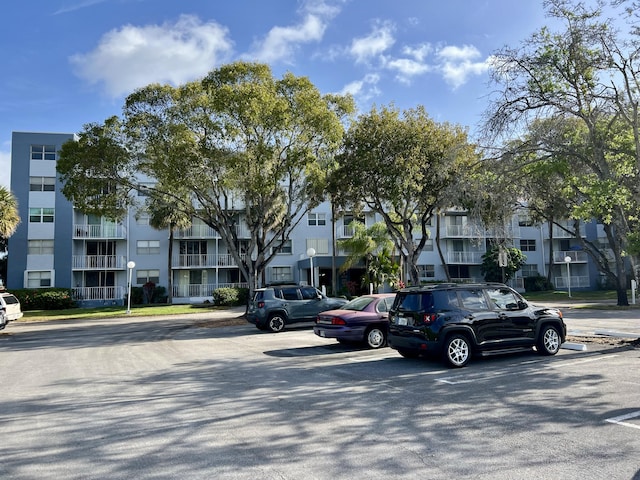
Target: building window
(43, 152)
(285, 249)
(42, 184)
(38, 279)
(40, 247)
(145, 276)
(317, 219)
(529, 270)
(426, 271)
(281, 274)
(528, 245)
(428, 245)
(148, 247)
(142, 219)
(41, 215)
(524, 220)
(320, 245)
(144, 189)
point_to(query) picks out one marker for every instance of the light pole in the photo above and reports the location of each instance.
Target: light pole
(130, 265)
(311, 252)
(567, 260)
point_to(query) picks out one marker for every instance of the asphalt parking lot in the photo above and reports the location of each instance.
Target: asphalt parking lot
(175, 398)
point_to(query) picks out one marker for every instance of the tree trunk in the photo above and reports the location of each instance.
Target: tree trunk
(170, 267)
(550, 267)
(442, 260)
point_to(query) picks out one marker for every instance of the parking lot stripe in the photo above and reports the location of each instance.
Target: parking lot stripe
(620, 420)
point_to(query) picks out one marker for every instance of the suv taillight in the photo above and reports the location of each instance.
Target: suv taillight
(260, 304)
(429, 318)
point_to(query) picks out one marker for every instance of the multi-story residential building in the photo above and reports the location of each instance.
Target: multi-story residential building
(57, 245)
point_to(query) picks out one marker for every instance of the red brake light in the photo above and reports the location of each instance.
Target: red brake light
(260, 304)
(337, 321)
(429, 318)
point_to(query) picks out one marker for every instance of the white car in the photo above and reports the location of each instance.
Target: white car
(9, 309)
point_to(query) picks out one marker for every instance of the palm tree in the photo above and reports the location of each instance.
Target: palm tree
(9, 217)
(164, 214)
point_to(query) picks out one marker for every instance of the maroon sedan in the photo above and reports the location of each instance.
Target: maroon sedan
(363, 319)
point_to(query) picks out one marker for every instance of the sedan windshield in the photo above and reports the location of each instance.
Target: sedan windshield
(357, 304)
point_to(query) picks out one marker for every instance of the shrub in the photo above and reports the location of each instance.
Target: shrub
(230, 296)
(45, 298)
(537, 284)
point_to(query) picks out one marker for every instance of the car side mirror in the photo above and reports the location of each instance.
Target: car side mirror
(522, 305)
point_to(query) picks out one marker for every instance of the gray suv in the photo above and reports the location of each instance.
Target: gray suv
(274, 307)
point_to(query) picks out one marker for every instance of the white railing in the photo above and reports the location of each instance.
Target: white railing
(99, 231)
(98, 293)
(560, 233)
(577, 256)
(344, 231)
(468, 230)
(199, 260)
(464, 257)
(98, 262)
(197, 231)
(206, 290)
(581, 281)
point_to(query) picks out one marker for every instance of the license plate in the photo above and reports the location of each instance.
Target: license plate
(402, 321)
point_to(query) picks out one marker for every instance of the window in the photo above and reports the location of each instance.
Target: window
(528, 245)
(142, 219)
(41, 215)
(317, 219)
(426, 271)
(148, 247)
(473, 300)
(42, 184)
(43, 152)
(38, 279)
(503, 299)
(428, 245)
(524, 220)
(285, 249)
(281, 274)
(40, 247)
(309, 293)
(144, 189)
(290, 293)
(529, 270)
(144, 276)
(320, 245)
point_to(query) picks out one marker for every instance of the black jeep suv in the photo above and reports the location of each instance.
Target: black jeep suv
(458, 320)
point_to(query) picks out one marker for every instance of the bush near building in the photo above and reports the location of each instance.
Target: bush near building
(45, 298)
(230, 296)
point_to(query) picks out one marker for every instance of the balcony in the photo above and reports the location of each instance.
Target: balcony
(99, 262)
(204, 260)
(468, 230)
(577, 281)
(197, 231)
(81, 231)
(98, 293)
(560, 233)
(464, 258)
(577, 256)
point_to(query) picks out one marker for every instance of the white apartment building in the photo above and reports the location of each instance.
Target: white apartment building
(58, 246)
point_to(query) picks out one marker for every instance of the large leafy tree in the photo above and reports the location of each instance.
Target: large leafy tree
(402, 165)
(9, 221)
(246, 147)
(583, 76)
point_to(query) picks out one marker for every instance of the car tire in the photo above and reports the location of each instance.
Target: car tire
(276, 322)
(548, 341)
(408, 353)
(375, 337)
(457, 350)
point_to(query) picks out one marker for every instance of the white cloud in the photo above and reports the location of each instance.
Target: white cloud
(374, 44)
(363, 90)
(457, 64)
(407, 68)
(282, 42)
(132, 57)
(5, 168)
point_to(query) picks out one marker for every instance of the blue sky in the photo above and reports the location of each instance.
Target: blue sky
(70, 62)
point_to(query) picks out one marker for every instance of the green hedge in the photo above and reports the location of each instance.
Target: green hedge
(537, 284)
(45, 298)
(230, 297)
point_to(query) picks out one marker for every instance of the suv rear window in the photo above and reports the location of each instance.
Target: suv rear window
(414, 302)
(10, 299)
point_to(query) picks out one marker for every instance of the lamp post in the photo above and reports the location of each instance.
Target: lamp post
(311, 252)
(567, 260)
(130, 265)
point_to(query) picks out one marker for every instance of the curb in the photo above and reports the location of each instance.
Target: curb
(580, 347)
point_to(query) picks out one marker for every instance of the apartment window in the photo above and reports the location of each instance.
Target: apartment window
(281, 274)
(529, 270)
(528, 245)
(43, 152)
(428, 245)
(426, 271)
(148, 247)
(42, 184)
(142, 219)
(41, 215)
(285, 249)
(38, 279)
(524, 220)
(40, 247)
(145, 276)
(317, 219)
(320, 245)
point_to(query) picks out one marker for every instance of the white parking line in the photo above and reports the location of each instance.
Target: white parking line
(620, 420)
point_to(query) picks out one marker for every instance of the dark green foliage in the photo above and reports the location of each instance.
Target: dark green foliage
(229, 297)
(157, 295)
(538, 284)
(493, 272)
(45, 298)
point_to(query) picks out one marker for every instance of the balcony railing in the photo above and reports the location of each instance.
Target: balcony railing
(577, 256)
(99, 231)
(578, 281)
(465, 258)
(199, 260)
(206, 290)
(99, 262)
(468, 230)
(99, 293)
(197, 231)
(560, 233)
